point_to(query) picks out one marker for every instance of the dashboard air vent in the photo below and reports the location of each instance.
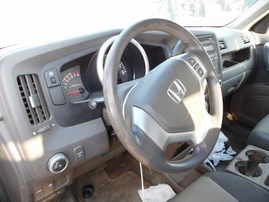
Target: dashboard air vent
(222, 45)
(33, 98)
(245, 39)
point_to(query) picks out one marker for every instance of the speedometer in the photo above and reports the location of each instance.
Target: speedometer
(73, 86)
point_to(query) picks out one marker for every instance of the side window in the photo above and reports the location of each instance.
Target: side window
(262, 26)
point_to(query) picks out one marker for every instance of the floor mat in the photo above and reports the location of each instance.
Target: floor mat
(122, 188)
(68, 196)
(125, 162)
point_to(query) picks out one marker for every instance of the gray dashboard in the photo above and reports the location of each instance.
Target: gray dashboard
(45, 92)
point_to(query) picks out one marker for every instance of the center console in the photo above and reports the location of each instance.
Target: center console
(252, 163)
(209, 43)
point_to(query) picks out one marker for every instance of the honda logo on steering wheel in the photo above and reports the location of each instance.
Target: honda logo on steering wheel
(176, 91)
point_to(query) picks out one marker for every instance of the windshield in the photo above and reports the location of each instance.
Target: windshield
(34, 19)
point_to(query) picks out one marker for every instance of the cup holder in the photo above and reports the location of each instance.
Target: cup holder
(257, 156)
(251, 166)
(248, 168)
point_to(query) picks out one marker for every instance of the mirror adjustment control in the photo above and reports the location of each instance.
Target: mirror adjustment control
(58, 163)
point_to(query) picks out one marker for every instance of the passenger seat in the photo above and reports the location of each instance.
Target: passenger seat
(259, 136)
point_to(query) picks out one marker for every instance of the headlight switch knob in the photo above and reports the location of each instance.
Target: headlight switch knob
(58, 163)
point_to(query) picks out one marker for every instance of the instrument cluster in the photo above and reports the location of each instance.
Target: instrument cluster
(83, 77)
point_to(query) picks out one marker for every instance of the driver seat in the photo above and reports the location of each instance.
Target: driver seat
(223, 187)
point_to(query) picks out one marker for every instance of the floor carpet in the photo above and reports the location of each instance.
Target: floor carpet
(122, 188)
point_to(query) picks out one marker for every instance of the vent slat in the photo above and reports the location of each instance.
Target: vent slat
(33, 99)
(45, 111)
(26, 94)
(40, 115)
(29, 81)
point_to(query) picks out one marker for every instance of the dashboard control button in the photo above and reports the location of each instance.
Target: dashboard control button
(79, 153)
(50, 187)
(58, 163)
(52, 78)
(191, 61)
(38, 193)
(97, 102)
(200, 72)
(43, 129)
(57, 95)
(196, 66)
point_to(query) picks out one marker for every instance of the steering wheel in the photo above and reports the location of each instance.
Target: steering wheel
(168, 104)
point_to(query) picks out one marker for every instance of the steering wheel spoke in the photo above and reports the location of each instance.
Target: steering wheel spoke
(124, 89)
(162, 138)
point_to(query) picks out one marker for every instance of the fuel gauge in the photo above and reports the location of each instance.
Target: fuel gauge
(73, 86)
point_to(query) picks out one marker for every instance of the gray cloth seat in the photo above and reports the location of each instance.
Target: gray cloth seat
(222, 187)
(259, 136)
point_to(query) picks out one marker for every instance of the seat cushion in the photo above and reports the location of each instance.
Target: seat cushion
(259, 136)
(222, 186)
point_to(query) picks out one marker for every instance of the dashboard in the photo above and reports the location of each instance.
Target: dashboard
(52, 106)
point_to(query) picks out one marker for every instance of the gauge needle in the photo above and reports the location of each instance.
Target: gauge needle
(74, 92)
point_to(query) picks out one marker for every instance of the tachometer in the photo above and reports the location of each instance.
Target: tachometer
(73, 86)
